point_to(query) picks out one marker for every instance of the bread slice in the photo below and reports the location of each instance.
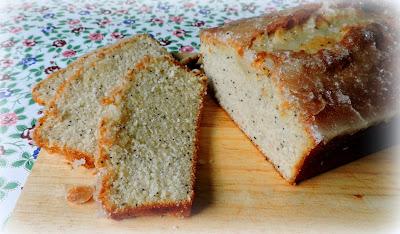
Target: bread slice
(148, 142)
(44, 91)
(299, 80)
(70, 125)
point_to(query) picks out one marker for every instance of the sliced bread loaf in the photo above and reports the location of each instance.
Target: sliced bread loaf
(148, 143)
(70, 125)
(299, 81)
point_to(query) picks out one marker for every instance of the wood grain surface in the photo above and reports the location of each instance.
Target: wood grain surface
(237, 191)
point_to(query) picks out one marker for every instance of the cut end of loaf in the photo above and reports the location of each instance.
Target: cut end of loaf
(149, 153)
(295, 80)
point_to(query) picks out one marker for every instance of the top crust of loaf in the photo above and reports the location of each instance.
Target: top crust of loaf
(335, 64)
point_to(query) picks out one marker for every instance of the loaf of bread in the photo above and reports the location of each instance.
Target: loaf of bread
(148, 141)
(299, 81)
(71, 122)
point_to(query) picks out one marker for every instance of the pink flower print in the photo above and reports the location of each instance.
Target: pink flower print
(29, 42)
(96, 36)
(90, 6)
(6, 62)
(188, 5)
(179, 33)
(122, 12)
(145, 9)
(157, 21)
(71, 8)
(74, 22)
(8, 44)
(26, 6)
(15, 30)
(116, 35)
(104, 22)
(69, 53)
(186, 49)
(2, 151)
(176, 19)
(8, 119)
(5, 77)
(19, 18)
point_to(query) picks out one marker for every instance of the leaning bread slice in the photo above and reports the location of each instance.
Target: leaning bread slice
(70, 125)
(148, 143)
(44, 91)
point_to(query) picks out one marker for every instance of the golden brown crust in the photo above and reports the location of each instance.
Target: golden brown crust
(337, 89)
(241, 34)
(349, 82)
(170, 208)
(69, 154)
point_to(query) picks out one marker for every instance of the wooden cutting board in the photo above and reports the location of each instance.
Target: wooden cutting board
(238, 191)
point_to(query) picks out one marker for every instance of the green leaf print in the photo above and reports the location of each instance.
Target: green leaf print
(3, 162)
(10, 186)
(18, 163)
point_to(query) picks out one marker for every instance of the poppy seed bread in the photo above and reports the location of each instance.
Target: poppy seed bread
(70, 125)
(298, 80)
(44, 91)
(148, 142)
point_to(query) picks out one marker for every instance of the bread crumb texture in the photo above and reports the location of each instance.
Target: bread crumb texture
(149, 151)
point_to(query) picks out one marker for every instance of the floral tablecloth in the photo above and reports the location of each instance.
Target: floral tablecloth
(38, 38)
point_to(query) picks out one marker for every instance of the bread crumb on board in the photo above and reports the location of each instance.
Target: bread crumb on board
(80, 194)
